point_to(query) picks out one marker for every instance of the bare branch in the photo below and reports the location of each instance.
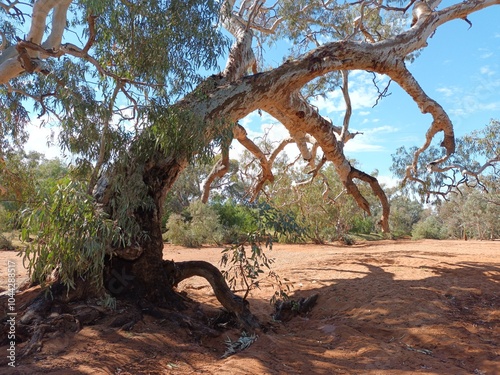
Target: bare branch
(441, 121)
(383, 93)
(218, 171)
(266, 173)
(296, 115)
(38, 99)
(13, 6)
(91, 20)
(348, 110)
(377, 190)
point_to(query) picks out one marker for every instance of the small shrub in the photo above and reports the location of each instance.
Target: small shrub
(430, 228)
(70, 233)
(5, 243)
(346, 239)
(202, 227)
(246, 262)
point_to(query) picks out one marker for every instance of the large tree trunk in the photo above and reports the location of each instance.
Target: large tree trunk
(140, 273)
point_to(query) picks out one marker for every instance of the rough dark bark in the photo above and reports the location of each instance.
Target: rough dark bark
(233, 303)
(140, 274)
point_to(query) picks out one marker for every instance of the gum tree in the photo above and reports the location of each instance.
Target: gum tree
(122, 80)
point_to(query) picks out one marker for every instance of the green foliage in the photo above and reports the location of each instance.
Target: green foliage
(13, 118)
(247, 261)
(201, 226)
(237, 219)
(5, 243)
(430, 227)
(21, 176)
(67, 232)
(405, 213)
(246, 268)
(279, 223)
(162, 42)
(473, 213)
(362, 225)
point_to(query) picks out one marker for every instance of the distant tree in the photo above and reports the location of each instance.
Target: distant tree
(474, 163)
(473, 213)
(405, 213)
(22, 177)
(431, 228)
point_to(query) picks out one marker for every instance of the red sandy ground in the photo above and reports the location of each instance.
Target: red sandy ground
(388, 307)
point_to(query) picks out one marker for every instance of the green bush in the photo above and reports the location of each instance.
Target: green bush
(5, 243)
(4, 219)
(70, 233)
(236, 219)
(362, 225)
(430, 228)
(201, 226)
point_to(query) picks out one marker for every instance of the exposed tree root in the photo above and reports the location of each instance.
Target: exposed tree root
(230, 301)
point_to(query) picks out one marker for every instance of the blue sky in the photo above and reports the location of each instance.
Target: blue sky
(460, 69)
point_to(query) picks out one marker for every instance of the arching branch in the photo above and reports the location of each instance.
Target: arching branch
(441, 121)
(220, 168)
(266, 173)
(183, 270)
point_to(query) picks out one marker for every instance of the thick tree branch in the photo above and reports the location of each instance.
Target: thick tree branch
(241, 57)
(296, 116)
(441, 121)
(10, 64)
(377, 190)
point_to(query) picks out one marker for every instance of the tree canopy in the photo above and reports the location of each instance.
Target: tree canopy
(106, 72)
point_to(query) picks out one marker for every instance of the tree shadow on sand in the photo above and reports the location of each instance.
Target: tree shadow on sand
(366, 321)
(447, 323)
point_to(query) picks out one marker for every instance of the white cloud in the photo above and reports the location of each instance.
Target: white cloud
(370, 140)
(446, 91)
(333, 102)
(388, 181)
(362, 92)
(382, 129)
(42, 140)
(486, 55)
(360, 144)
(486, 70)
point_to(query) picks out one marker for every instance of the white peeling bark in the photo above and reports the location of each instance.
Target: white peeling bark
(241, 57)
(10, 64)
